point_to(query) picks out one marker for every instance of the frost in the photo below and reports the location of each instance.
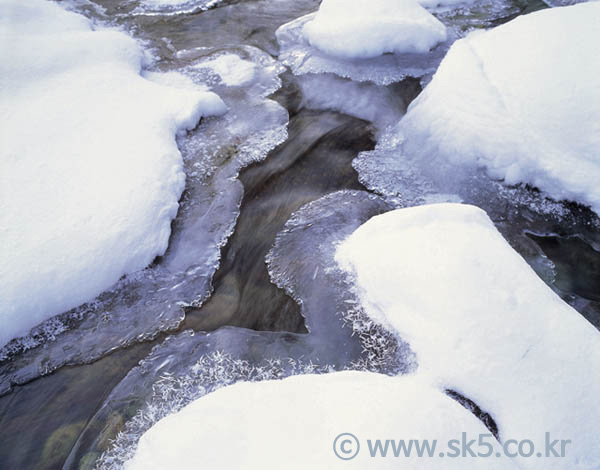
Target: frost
(364, 29)
(147, 302)
(481, 323)
(342, 337)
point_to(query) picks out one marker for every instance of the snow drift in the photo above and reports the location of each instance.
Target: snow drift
(369, 28)
(522, 100)
(90, 169)
(292, 423)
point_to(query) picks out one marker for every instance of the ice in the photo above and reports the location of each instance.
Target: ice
(458, 18)
(340, 332)
(91, 170)
(482, 323)
(297, 53)
(231, 70)
(147, 302)
(444, 3)
(204, 3)
(517, 101)
(408, 180)
(562, 3)
(172, 7)
(293, 422)
(186, 366)
(183, 368)
(369, 28)
(383, 106)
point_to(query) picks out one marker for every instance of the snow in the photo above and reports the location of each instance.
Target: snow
(292, 423)
(302, 58)
(379, 105)
(231, 69)
(199, 4)
(370, 28)
(91, 173)
(518, 101)
(444, 3)
(482, 323)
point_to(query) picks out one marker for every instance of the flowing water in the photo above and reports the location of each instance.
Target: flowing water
(248, 288)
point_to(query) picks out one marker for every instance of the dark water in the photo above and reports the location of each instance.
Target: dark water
(315, 161)
(41, 421)
(577, 267)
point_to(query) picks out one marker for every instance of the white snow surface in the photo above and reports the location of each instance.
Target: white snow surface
(231, 69)
(481, 322)
(522, 100)
(89, 167)
(370, 28)
(292, 424)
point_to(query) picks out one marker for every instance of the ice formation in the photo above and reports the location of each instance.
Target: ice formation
(91, 173)
(351, 38)
(432, 4)
(187, 366)
(231, 69)
(293, 423)
(205, 4)
(481, 322)
(172, 7)
(518, 101)
(382, 106)
(370, 28)
(149, 301)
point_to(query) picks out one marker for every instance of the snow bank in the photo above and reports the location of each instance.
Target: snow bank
(369, 28)
(523, 100)
(482, 323)
(292, 423)
(91, 173)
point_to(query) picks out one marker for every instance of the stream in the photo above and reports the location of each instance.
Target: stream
(248, 288)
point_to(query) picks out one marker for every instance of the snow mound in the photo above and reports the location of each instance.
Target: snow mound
(231, 69)
(293, 422)
(204, 4)
(519, 101)
(370, 28)
(482, 323)
(91, 173)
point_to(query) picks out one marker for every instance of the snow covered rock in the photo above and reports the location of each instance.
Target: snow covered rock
(90, 170)
(522, 100)
(292, 424)
(370, 28)
(174, 6)
(482, 323)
